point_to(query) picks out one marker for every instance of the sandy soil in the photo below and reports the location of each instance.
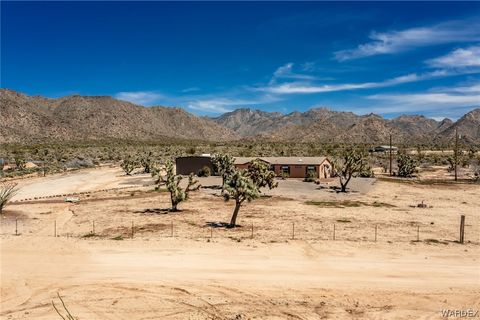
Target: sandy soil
(78, 181)
(214, 273)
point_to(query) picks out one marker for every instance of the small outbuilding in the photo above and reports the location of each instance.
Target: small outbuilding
(193, 164)
(384, 149)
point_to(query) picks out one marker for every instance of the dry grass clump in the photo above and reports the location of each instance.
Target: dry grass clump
(349, 204)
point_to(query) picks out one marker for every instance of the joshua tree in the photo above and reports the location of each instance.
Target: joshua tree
(7, 191)
(147, 162)
(239, 187)
(44, 156)
(353, 162)
(245, 185)
(19, 162)
(128, 165)
(261, 175)
(177, 193)
(224, 166)
(406, 165)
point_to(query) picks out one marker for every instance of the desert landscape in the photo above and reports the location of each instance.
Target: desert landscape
(283, 262)
(245, 160)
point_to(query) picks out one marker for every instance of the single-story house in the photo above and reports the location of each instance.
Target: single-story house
(193, 164)
(294, 167)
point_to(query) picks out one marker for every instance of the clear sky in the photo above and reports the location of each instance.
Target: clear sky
(388, 58)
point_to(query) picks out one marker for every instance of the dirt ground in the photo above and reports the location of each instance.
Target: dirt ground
(303, 251)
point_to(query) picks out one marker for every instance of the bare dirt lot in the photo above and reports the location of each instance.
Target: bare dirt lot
(282, 263)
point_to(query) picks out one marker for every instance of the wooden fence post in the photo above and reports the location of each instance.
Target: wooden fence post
(133, 229)
(462, 228)
(171, 229)
(375, 233)
(418, 233)
(334, 231)
(16, 226)
(251, 236)
(211, 232)
(93, 227)
(293, 230)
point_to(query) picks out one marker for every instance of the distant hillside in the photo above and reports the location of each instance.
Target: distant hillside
(32, 118)
(323, 125)
(468, 128)
(25, 118)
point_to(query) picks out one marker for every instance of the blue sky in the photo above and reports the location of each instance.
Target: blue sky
(389, 58)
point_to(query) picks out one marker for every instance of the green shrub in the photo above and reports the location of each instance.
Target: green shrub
(406, 166)
(310, 177)
(204, 172)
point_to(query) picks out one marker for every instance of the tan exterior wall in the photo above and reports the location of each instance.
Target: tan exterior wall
(299, 170)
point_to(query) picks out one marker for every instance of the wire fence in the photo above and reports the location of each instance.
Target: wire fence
(339, 230)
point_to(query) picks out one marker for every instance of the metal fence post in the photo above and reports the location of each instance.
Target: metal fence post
(462, 228)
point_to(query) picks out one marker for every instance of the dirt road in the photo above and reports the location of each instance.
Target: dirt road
(79, 181)
(199, 280)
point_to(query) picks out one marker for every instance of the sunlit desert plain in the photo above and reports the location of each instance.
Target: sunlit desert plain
(302, 251)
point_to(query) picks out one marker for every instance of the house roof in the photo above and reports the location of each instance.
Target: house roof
(283, 160)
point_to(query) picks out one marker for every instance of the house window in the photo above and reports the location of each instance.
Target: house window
(312, 169)
(286, 169)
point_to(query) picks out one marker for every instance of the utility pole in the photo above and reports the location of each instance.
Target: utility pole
(456, 153)
(391, 159)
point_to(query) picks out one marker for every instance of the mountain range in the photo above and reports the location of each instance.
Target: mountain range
(26, 118)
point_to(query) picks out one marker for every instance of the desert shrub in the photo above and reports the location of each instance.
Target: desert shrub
(79, 162)
(128, 165)
(7, 191)
(191, 150)
(367, 173)
(475, 166)
(310, 177)
(406, 165)
(204, 172)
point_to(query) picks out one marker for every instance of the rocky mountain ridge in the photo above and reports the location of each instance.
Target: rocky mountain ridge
(78, 118)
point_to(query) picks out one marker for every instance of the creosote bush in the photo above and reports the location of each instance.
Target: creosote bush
(128, 165)
(311, 176)
(204, 172)
(406, 165)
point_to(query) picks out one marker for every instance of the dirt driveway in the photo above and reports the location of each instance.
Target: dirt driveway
(79, 181)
